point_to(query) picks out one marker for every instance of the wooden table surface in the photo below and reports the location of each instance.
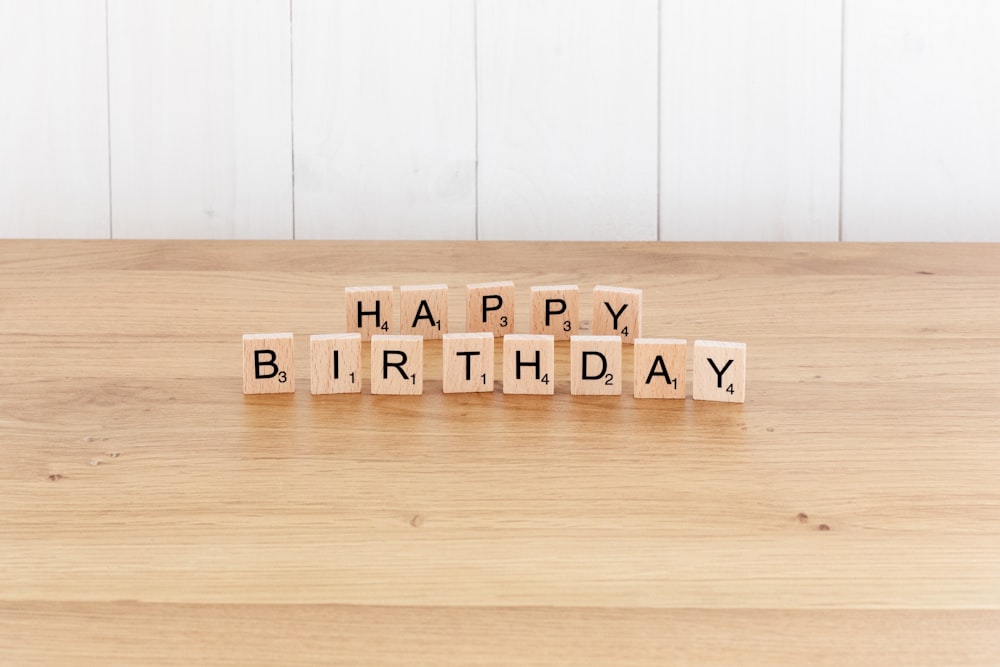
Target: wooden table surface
(848, 513)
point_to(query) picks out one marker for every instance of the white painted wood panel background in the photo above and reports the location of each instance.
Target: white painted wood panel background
(567, 119)
(201, 126)
(385, 119)
(750, 120)
(53, 119)
(922, 121)
(594, 119)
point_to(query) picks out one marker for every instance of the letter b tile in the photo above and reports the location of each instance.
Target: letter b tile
(268, 363)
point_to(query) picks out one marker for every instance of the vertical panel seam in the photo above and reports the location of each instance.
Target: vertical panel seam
(475, 92)
(291, 103)
(840, 180)
(659, 111)
(107, 101)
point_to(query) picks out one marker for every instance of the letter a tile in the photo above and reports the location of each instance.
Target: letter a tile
(659, 368)
(423, 310)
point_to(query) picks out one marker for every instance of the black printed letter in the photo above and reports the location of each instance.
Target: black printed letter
(397, 365)
(258, 362)
(421, 309)
(615, 315)
(718, 372)
(537, 364)
(376, 313)
(548, 309)
(604, 365)
(468, 354)
(486, 307)
(661, 364)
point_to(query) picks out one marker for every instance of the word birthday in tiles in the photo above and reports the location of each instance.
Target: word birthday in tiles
(659, 368)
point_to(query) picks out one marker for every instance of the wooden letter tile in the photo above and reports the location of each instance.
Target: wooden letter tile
(528, 364)
(423, 310)
(335, 363)
(468, 362)
(368, 310)
(397, 365)
(720, 371)
(617, 311)
(490, 307)
(555, 310)
(268, 363)
(660, 368)
(595, 365)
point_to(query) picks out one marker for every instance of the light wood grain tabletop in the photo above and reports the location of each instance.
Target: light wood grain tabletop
(847, 514)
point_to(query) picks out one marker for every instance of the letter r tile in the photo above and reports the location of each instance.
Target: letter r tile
(397, 365)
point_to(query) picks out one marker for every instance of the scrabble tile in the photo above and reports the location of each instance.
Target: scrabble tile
(555, 310)
(397, 364)
(423, 310)
(335, 363)
(368, 310)
(467, 359)
(268, 363)
(490, 307)
(617, 310)
(528, 364)
(659, 368)
(720, 371)
(595, 365)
